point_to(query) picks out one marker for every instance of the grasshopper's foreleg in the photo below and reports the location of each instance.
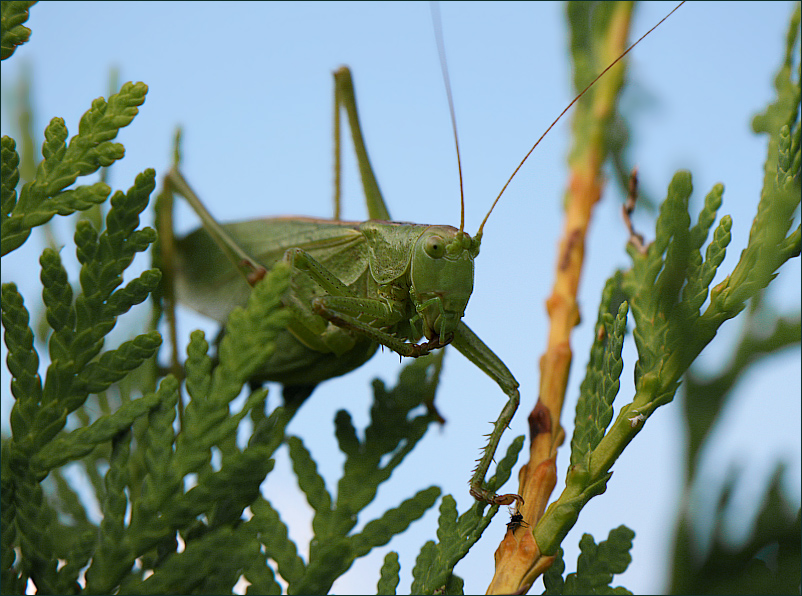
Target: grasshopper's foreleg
(342, 307)
(475, 350)
(335, 309)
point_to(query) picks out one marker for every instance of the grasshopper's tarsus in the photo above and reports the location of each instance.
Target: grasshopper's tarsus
(256, 275)
(425, 348)
(481, 494)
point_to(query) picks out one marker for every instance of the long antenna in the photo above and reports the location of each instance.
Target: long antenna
(441, 50)
(568, 107)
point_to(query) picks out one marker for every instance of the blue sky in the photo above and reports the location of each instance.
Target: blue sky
(251, 85)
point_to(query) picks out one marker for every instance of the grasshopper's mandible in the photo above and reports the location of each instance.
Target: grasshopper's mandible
(354, 286)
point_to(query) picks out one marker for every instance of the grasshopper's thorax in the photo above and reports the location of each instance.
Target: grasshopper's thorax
(442, 278)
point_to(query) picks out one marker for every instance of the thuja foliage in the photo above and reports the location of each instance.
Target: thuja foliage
(181, 502)
(596, 565)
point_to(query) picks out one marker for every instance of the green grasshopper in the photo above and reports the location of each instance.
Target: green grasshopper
(354, 286)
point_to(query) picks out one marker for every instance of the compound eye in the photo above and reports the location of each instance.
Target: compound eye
(435, 247)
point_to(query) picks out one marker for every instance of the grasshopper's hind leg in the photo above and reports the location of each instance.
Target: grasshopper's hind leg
(345, 98)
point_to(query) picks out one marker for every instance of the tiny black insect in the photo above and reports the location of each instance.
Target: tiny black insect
(516, 521)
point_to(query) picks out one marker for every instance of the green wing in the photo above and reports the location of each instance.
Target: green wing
(209, 283)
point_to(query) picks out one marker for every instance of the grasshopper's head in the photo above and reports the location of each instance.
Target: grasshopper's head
(442, 278)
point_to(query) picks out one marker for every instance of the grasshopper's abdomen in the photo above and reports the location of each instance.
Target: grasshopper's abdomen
(209, 283)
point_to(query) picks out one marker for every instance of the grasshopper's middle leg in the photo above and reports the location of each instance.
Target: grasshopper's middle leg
(473, 348)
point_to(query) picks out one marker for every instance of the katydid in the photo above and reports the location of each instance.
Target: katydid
(354, 286)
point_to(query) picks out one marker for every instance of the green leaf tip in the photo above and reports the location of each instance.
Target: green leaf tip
(309, 480)
(250, 332)
(392, 434)
(597, 564)
(594, 410)
(273, 533)
(22, 361)
(435, 563)
(92, 148)
(14, 33)
(389, 579)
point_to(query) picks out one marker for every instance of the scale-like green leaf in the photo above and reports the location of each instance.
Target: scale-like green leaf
(378, 532)
(22, 361)
(162, 479)
(392, 432)
(311, 483)
(10, 175)
(114, 555)
(553, 576)
(700, 273)
(600, 386)
(82, 441)
(743, 567)
(14, 33)
(113, 365)
(89, 150)
(435, 563)
(196, 572)
(388, 580)
(597, 564)
(271, 531)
